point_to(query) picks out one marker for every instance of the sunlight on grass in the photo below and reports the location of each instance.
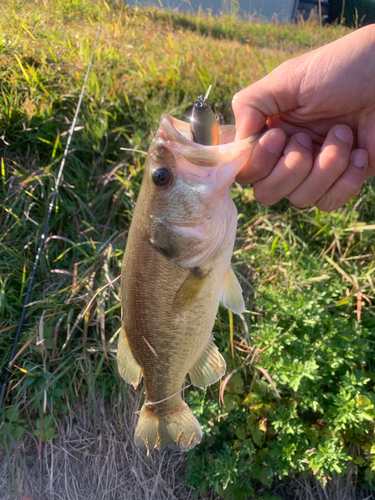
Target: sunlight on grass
(308, 276)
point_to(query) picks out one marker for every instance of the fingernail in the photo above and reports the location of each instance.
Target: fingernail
(305, 140)
(343, 133)
(360, 158)
(274, 142)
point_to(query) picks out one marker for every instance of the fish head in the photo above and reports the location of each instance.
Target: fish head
(185, 194)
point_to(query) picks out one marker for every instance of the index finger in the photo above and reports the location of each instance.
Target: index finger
(276, 93)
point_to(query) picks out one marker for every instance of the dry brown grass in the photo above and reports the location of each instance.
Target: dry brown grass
(81, 465)
(343, 487)
(75, 466)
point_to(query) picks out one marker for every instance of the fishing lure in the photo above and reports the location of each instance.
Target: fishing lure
(203, 122)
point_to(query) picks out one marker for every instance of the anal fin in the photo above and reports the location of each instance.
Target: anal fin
(209, 368)
(231, 293)
(129, 369)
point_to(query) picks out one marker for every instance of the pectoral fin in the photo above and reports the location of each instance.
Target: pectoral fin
(209, 368)
(231, 293)
(129, 369)
(190, 289)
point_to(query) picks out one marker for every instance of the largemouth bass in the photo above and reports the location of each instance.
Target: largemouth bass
(176, 269)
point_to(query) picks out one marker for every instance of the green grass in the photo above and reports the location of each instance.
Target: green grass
(300, 269)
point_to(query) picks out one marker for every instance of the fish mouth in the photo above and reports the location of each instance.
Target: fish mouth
(205, 164)
(227, 133)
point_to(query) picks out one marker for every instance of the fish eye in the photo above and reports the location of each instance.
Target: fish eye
(161, 176)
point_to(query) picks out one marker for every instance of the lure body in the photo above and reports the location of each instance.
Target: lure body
(203, 122)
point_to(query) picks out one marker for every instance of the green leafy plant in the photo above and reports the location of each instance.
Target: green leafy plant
(303, 341)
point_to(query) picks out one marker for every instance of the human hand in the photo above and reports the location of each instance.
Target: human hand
(313, 102)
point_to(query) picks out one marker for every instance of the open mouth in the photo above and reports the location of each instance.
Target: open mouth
(214, 166)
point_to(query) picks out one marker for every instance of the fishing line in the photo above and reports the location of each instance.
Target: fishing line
(150, 403)
(43, 237)
(169, 397)
(207, 94)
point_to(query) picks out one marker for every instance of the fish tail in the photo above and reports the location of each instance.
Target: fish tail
(178, 429)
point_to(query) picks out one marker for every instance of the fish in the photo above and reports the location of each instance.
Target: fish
(175, 271)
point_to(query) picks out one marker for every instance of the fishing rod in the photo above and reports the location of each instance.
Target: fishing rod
(44, 235)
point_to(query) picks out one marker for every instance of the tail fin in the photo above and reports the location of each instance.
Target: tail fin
(178, 430)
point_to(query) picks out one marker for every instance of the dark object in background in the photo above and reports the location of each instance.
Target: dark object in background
(309, 8)
(356, 13)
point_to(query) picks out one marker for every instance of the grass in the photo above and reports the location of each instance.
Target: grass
(83, 462)
(147, 62)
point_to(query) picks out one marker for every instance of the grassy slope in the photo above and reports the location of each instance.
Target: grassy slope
(146, 63)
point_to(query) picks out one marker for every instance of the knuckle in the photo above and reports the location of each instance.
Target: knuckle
(239, 98)
(299, 200)
(350, 188)
(339, 195)
(253, 172)
(258, 172)
(326, 204)
(236, 101)
(349, 185)
(300, 163)
(333, 157)
(264, 194)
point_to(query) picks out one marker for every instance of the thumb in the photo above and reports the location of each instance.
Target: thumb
(273, 94)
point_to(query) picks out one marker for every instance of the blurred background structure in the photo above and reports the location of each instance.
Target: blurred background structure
(350, 12)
